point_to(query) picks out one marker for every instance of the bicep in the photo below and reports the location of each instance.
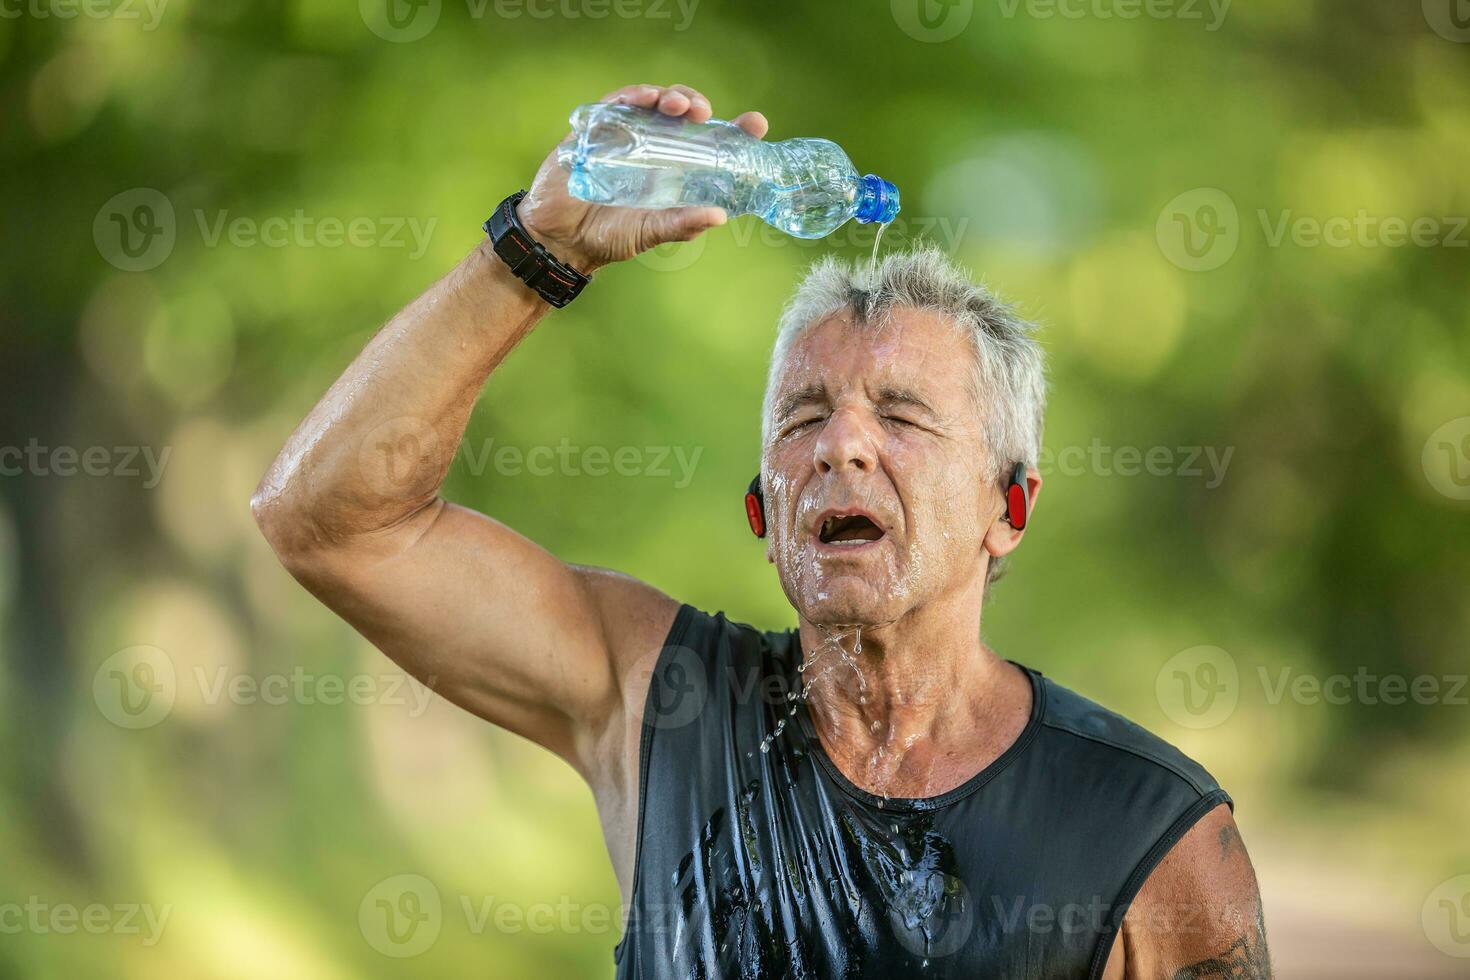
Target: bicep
(1198, 916)
(495, 623)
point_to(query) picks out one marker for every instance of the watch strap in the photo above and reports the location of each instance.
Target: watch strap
(529, 261)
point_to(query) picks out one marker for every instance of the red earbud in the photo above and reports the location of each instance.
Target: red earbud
(1018, 501)
(755, 507)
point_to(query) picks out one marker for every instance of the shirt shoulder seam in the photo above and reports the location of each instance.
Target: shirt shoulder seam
(1131, 750)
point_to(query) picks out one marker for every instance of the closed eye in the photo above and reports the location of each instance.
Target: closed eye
(798, 426)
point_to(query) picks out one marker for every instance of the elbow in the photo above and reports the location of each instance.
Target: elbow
(285, 525)
(266, 513)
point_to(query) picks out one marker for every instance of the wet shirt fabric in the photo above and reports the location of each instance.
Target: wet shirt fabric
(771, 864)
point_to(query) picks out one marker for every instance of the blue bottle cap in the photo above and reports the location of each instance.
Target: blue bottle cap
(877, 200)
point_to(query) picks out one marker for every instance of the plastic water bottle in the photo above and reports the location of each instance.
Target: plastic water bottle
(638, 158)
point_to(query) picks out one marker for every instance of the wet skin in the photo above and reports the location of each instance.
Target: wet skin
(561, 653)
(882, 419)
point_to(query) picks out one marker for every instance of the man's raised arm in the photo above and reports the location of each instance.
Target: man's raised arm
(352, 507)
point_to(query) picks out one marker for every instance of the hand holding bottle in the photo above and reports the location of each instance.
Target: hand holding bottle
(589, 236)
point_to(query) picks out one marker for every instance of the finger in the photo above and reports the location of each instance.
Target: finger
(683, 224)
(699, 108)
(674, 102)
(753, 123)
(639, 95)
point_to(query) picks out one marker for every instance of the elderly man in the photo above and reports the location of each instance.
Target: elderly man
(875, 793)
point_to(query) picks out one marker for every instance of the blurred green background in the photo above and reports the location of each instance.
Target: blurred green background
(180, 179)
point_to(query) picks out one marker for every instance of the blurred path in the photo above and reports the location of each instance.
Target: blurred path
(1323, 922)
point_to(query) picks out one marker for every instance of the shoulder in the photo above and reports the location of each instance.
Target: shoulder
(724, 651)
(1199, 913)
(1191, 901)
(717, 635)
(1118, 742)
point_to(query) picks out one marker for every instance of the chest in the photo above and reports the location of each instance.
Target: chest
(787, 876)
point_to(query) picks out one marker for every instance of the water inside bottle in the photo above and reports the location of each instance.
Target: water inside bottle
(630, 157)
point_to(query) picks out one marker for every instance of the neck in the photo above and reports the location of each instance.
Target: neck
(907, 707)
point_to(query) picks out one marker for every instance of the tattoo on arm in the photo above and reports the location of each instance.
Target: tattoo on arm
(1229, 839)
(1246, 959)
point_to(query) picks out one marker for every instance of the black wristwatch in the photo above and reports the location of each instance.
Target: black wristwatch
(557, 282)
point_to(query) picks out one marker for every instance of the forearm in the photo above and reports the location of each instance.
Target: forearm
(377, 447)
(484, 616)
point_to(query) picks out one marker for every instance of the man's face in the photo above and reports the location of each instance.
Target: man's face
(874, 473)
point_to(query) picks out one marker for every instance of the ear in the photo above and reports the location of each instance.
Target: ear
(1001, 538)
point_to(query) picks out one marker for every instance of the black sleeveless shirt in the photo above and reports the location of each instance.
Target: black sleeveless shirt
(771, 864)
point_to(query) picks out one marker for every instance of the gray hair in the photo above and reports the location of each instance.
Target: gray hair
(1010, 376)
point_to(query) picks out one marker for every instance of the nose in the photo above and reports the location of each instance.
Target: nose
(846, 442)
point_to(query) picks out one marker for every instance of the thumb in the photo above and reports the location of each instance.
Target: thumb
(680, 224)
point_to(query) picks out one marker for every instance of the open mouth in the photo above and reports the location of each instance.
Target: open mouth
(849, 529)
